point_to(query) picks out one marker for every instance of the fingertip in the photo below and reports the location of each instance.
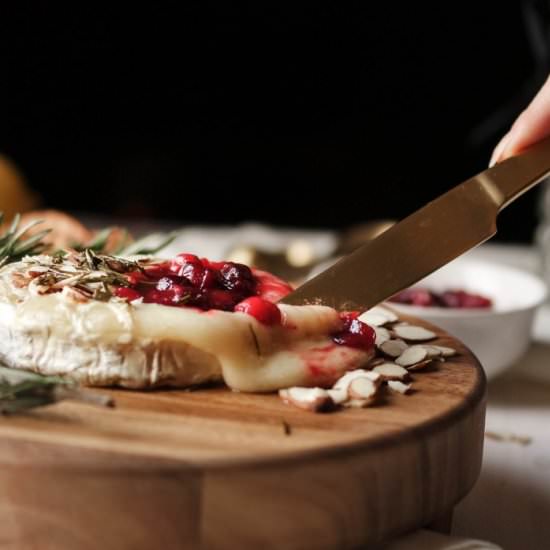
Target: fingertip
(499, 149)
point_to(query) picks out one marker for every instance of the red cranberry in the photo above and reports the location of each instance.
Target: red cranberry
(135, 277)
(348, 317)
(477, 301)
(463, 299)
(269, 287)
(220, 299)
(238, 277)
(208, 279)
(355, 333)
(216, 266)
(416, 297)
(175, 294)
(423, 298)
(193, 273)
(448, 298)
(263, 311)
(184, 258)
(164, 283)
(155, 271)
(129, 294)
(181, 260)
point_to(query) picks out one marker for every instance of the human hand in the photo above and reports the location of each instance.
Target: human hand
(530, 127)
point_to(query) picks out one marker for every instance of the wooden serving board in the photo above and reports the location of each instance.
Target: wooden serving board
(221, 470)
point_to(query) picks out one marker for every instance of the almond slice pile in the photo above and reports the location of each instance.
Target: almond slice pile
(400, 350)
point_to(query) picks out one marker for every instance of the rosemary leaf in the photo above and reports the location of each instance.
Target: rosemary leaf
(21, 249)
(13, 245)
(24, 403)
(23, 390)
(16, 235)
(97, 244)
(14, 224)
(141, 248)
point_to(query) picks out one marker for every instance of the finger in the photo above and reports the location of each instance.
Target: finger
(495, 157)
(531, 126)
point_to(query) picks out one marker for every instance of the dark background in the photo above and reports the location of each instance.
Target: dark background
(305, 116)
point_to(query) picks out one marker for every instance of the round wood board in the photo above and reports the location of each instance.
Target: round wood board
(221, 470)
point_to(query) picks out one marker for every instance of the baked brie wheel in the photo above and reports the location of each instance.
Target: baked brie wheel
(105, 321)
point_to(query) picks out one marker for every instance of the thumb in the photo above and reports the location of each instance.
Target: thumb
(497, 153)
(532, 126)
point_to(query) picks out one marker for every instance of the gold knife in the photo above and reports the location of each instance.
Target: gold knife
(445, 228)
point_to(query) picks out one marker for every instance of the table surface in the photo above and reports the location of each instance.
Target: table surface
(510, 504)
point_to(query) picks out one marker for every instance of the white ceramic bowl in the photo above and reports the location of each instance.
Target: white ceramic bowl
(498, 336)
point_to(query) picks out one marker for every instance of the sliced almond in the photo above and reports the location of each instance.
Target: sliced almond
(363, 389)
(382, 335)
(338, 395)
(396, 385)
(413, 332)
(75, 295)
(432, 351)
(378, 316)
(388, 313)
(421, 365)
(391, 371)
(344, 382)
(373, 319)
(375, 361)
(445, 351)
(411, 356)
(393, 348)
(310, 399)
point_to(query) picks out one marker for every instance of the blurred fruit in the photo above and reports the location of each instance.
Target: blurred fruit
(15, 196)
(65, 230)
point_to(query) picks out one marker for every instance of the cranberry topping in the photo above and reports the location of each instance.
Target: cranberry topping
(193, 272)
(354, 333)
(188, 280)
(170, 294)
(448, 299)
(153, 271)
(182, 260)
(221, 299)
(263, 311)
(237, 277)
(270, 287)
(129, 294)
(208, 279)
(164, 283)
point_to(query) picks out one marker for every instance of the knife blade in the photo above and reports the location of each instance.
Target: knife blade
(445, 228)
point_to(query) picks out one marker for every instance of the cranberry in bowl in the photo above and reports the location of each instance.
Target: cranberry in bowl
(489, 306)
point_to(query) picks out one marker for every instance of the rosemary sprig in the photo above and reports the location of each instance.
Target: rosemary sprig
(108, 263)
(13, 245)
(90, 274)
(23, 390)
(142, 248)
(100, 243)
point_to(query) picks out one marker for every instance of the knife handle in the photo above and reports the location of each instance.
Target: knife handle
(509, 179)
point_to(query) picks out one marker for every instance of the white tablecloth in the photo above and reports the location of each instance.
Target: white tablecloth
(510, 504)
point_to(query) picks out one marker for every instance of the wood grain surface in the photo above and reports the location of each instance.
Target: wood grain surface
(216, 469)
